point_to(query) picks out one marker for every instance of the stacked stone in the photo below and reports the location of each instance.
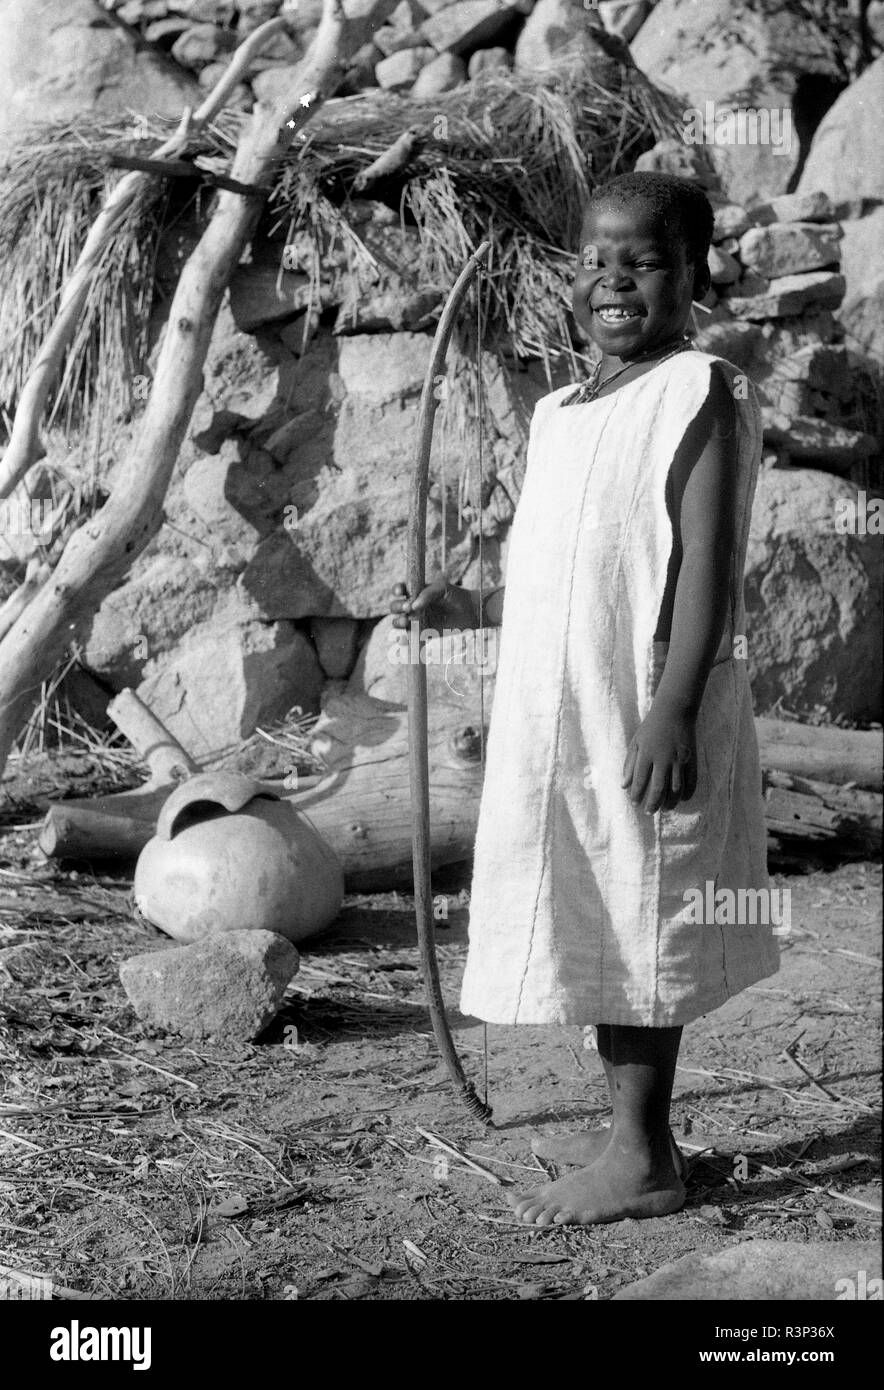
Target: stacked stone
(775, 270)
(421, 47)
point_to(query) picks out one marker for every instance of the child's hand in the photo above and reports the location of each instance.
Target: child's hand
(662, 759)
(440, 605)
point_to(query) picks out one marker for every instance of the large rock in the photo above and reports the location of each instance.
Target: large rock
(58, 60)
(489, 60)
(789, 295)
(682, 162)
(162, 599)
(346, 460)
(467, 24)
(813, 599)
(788, 248)
(862, 265)
(226, 987)
(765, 1271)
(227, 676)
(442, 75)
(717, 51)
(809, 440)
(845, 155)
(561, 32)
(401, 68)
(795, 207)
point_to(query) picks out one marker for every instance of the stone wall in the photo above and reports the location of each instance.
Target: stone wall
(285, 520)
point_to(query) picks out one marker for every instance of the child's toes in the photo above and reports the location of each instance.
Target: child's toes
(528, 1206)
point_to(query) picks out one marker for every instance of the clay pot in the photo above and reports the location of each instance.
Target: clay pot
(230, 856)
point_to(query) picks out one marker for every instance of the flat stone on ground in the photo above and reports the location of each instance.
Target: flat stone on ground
(228, 986)
(765, 1269)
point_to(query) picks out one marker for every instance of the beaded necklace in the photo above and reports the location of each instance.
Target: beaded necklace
(588, 390)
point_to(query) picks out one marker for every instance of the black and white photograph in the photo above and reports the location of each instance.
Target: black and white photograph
(441, 606)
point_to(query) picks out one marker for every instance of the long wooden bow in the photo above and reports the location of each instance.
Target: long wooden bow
(418, 752)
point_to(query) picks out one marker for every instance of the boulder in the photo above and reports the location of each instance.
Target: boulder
(788, 248)
(161, 599)
(717, 52)
(467, 24)
(790, 295)
(226, 987)
(682, 161)
(205, 11)
(862, 265)
(731, 220)
(58, 59)
(822, 367)
(561, 32)
(845, 156)
(489, 60)
(201, 44)
(229, 674)
(810, 440)
(389, 308)
(402, 68)
(344, 454)
(623, 17)
(442, 75)
(795, 207)
(723, 268)
(813, 600)
(335, 640)
(400, 30)
(765, 1271)
(735, 341)
(460, 667)
(275, 83)
(265, 294)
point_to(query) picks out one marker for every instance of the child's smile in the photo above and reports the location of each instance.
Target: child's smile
(634, 283)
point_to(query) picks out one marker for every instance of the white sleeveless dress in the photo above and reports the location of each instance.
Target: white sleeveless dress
(578, 909)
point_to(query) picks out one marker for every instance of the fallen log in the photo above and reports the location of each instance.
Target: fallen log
(362, 806)
(799, 809)
(822, 753)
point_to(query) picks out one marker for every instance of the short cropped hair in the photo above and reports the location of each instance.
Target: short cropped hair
(671, 199)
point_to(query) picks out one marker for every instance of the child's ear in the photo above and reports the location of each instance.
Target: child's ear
(702, 279)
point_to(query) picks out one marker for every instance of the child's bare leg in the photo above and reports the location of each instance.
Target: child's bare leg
(579, 1150)
(635, 1175)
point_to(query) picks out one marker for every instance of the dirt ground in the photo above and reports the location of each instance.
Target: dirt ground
(136, 1166)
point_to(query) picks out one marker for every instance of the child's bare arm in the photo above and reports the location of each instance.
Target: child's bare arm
(704, 479)
(662, 756)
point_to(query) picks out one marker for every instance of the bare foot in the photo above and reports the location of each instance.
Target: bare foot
(623, 1182)
(580, 1150)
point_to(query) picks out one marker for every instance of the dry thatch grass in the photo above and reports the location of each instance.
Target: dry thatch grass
(511, 158)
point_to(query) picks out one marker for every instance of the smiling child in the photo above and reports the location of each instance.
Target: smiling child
(622, 766)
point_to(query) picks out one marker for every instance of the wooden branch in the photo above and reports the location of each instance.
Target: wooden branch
(36, 574)
(388, 163)
(168, 761)
(826, 753)
(797, 808)
(24, 443)
(100, 553)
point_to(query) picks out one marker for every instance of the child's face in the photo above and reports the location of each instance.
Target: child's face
(631, 262)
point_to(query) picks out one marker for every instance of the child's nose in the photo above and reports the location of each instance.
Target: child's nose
(613, 278)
